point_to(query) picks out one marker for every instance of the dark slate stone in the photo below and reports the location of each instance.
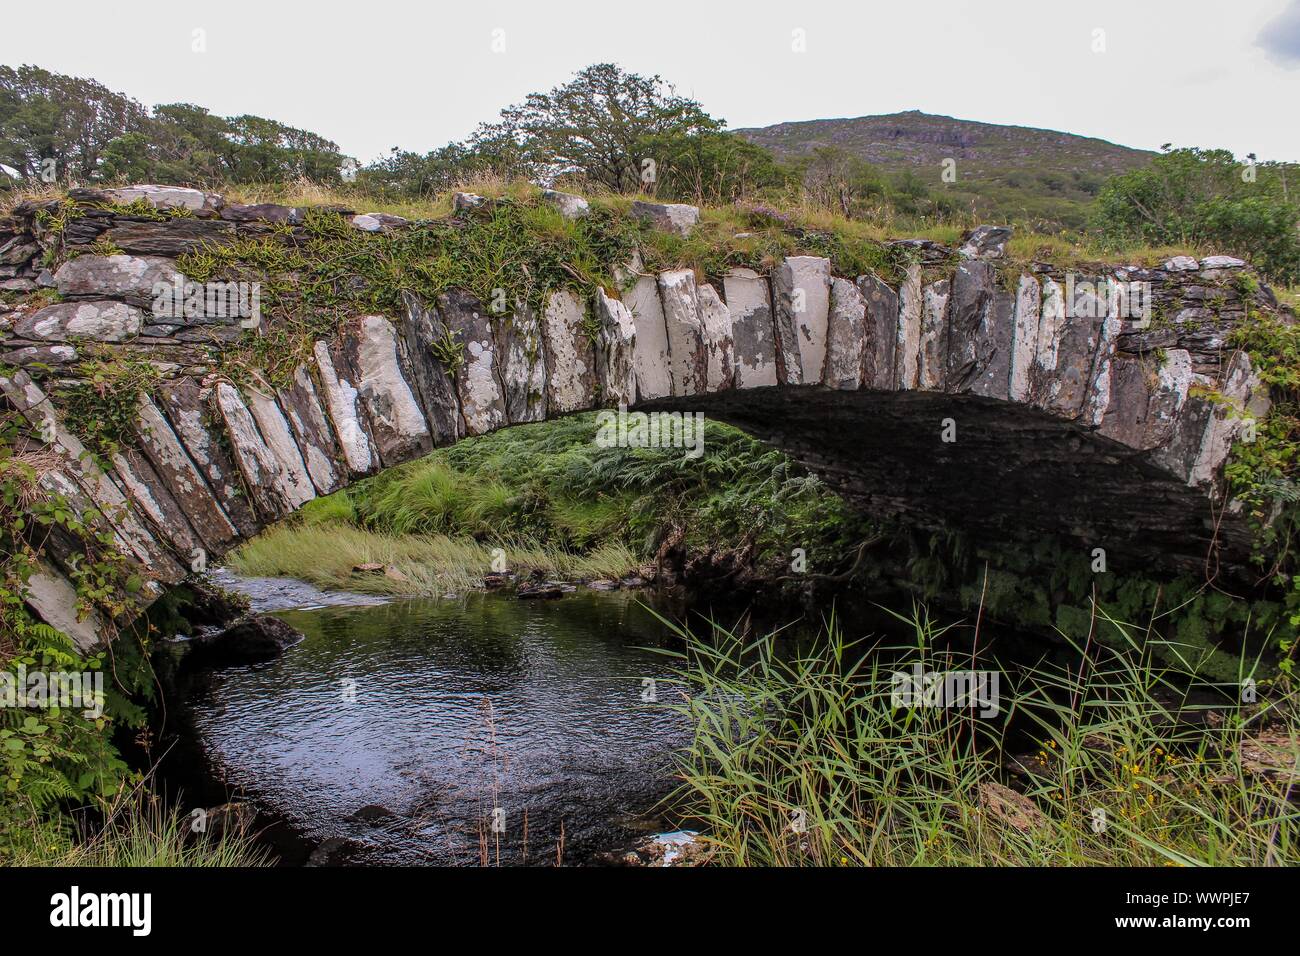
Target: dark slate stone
(1146, 341)
(418, 327)
(263, 212)
(311, 430)
(985, 242)
(85, 230)
(993, 346)
(479, 402)
(1066, 388)
(168, 521)
(17, 253)
(254, 640)
(172, 465)
(1178, 455)
(191, 419)
(969, 343)
(1126, 418)
(521, 360)
(882, 333)
(219, 334)
(926, 251)
(172, 238)
(39, 355)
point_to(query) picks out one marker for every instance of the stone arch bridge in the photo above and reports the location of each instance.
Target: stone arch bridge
(1010, 403)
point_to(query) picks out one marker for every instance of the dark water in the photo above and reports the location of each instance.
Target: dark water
(453, 715)
(479, 729)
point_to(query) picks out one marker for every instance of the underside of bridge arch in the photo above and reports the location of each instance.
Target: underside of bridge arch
(1006, 474)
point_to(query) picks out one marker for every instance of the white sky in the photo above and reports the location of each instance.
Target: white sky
(376, 74)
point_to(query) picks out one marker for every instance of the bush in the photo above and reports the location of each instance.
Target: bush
(1205, 197)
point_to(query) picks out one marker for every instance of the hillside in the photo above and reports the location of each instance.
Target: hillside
(1006, 172)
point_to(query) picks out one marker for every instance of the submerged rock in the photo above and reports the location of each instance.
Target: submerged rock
(547, 589)
(253, 640)
(336, 851)
(372, 814)
(208, 603)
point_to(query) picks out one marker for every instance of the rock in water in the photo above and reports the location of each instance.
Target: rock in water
(254, 640)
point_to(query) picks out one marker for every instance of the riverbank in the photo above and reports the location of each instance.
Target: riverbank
(548, 501)
(329, 555)
(135, 829)
(827, 759)
(782, 747)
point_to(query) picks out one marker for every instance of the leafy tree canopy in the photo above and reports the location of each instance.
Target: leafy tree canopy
(606, 128)
(95, 135)
(1205, 196)
(48, 116)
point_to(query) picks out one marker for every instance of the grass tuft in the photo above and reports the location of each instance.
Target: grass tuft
(803, 759)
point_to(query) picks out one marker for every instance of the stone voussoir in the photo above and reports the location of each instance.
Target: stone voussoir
(801, 298)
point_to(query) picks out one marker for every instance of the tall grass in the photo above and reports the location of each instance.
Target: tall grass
(803, 759)
(136, 831)
(325, 554)
(556, 502)
(720, 225)
(550, 482)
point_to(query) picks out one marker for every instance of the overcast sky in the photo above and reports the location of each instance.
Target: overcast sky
(375, 74)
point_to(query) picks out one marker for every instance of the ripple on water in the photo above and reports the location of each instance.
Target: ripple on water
(442, 711)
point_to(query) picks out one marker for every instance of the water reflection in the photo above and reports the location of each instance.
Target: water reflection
(484, 726)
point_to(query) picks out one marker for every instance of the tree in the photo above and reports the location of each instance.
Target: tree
(835, 179)
(49, 116)
(1197, 196)
(187, 145)
(268, 151)
(712, 167)
(95, 135)
(180, 143)
(626, 132)
(407, 175)
(599, 125)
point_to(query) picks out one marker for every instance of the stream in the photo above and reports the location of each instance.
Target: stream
(477, 729)
(468, 730)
